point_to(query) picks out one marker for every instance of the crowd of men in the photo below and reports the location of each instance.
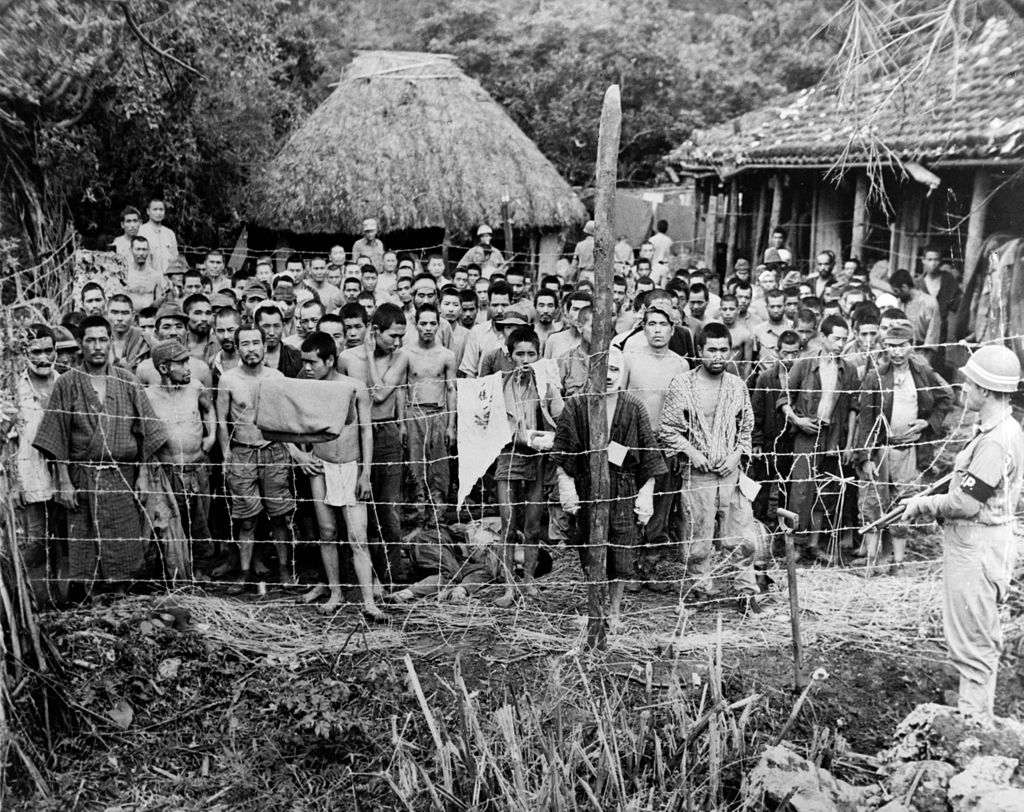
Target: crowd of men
(824, 392)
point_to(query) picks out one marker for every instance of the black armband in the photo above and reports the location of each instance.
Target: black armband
(977, 488)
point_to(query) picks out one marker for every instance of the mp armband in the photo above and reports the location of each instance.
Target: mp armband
(977, 488)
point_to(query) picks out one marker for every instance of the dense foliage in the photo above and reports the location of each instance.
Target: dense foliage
(104, 103)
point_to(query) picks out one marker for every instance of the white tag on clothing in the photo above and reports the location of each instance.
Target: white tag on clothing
(617, 453)
(748, 487)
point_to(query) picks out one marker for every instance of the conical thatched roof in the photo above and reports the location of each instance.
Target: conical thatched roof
(408, 138)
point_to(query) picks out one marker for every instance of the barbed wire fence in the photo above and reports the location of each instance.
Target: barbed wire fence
(565, 579)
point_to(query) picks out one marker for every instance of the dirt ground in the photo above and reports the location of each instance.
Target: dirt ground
(240, 704)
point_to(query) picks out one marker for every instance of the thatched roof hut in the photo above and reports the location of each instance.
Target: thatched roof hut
(410, 139)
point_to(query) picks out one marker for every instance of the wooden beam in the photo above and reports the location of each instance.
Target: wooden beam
(976, 223)
(861, 216)
(732, 225)
(711, 229)
(757, 238)
(776, 215)
(604, 238)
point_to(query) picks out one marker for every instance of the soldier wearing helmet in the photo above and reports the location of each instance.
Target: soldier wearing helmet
(978, 510)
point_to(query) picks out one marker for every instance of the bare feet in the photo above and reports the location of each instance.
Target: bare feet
(259, 567)
(333, 604)
(506, 600)
(615, 625)
(373, 614)
(316, 593)
(458, 594)
(529, 589)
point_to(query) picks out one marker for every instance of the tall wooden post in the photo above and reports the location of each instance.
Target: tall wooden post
(506, 222)
(757, 238)
(732, 226)
(976, 223)
(604, 207)
(711, 229)
(776, 213)
(446, 242)
(860, 216)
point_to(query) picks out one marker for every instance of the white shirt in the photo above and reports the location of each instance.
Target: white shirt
(163, 245)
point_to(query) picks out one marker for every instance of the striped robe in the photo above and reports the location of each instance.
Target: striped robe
(102, 444)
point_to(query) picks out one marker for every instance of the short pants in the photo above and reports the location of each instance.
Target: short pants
(340, 480)
(258, 477)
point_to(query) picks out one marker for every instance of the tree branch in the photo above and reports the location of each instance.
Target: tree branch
(133, 25)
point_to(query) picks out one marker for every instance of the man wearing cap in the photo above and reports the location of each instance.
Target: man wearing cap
(978, 510)
(368, 245)
(98, 429)
(498, 359)
(172, 323)
(903, 404)
(185, 407)
(487, 336)
(252, 294)
(483, 252)
(285, 299)
(69, 350)
(583, 255)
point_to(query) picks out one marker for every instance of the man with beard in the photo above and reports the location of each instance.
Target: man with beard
(903, 404)
(256, 471)
(825, 264)
(146, 285)
(649, 367)
(94, 300)
(706, 427)
(99, 429)
(128, 343)
(33, 499)
(772, 441)
(339, 477)
(185, 407)
(545, 309)
(224, 325)
(199, 343)
(634, 464)
(372, 363)
(276, 354)
(172, 323)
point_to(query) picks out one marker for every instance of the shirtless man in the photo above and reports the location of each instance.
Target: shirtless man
(370, 363)
(649, 367)
(171, 322)
(185, 407)
(339, 477)
(431, 413)
(146, 285)
(742, 337)
(251, 463)
(354, 321)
